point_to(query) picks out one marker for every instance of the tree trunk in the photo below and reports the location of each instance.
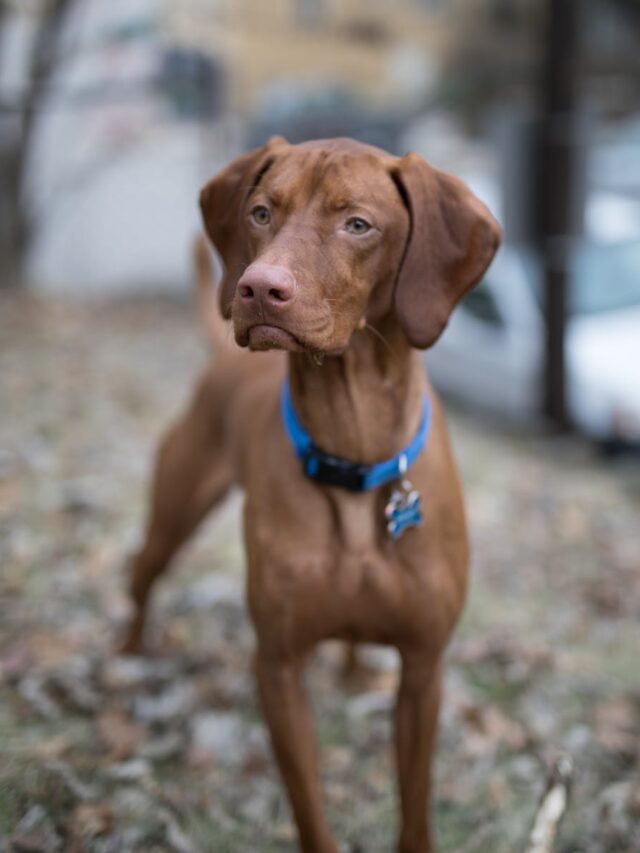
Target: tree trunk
(20, 121)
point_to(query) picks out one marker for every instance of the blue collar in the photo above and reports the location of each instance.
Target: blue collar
(336, 471)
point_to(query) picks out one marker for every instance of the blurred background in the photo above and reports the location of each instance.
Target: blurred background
(112, 116)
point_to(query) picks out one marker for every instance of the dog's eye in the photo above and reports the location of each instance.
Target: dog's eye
(261, 214)
(356, 225)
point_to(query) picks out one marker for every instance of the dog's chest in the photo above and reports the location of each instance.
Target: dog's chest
(357, 518)
(352, 582)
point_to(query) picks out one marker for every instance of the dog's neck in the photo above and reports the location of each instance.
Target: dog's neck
(365, 404)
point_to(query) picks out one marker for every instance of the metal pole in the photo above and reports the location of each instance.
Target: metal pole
(556, 189)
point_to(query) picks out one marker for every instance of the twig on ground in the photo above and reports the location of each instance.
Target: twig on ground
(552, 807)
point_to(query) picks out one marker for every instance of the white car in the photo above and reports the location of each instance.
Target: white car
(492, 353)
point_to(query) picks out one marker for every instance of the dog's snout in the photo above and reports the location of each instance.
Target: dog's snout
(267, 285)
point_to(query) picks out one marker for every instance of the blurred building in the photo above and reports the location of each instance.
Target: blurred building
(385, 60)
(131, 127)
(155, 96)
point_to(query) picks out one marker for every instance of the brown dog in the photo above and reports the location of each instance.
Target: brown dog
(349, 259)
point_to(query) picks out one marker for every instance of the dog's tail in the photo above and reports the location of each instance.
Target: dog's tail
(216, 329)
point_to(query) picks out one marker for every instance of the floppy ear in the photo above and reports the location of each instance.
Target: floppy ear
(452, 240)
(222, 201)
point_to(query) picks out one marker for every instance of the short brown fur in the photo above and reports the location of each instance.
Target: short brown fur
(320, 561)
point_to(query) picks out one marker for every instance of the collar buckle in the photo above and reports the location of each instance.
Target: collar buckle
(335, 471)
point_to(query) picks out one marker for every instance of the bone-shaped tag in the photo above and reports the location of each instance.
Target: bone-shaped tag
(403, 509)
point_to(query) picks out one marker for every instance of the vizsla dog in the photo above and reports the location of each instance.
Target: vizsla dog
(350, 260)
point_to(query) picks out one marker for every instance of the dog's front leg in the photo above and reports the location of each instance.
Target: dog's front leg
(289, 718)
(416, 722)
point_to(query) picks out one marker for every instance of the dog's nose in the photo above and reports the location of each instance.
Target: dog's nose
(267, 285)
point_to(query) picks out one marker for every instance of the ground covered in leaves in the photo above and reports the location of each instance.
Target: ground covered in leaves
(168, 753)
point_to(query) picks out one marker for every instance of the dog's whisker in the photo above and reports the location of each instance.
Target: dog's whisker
(369, 328)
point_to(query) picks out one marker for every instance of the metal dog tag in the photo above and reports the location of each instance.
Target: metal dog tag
(403, 509)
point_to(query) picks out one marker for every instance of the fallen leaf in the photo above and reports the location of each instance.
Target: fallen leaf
(616, 726)
(91, 819)
(120, 734)
(489, 728)
(54, 747)
(14, 661)
(36, 841)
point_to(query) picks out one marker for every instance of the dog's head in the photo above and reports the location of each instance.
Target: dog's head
(320, 237)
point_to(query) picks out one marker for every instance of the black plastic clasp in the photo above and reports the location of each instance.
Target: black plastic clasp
(335, 471)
